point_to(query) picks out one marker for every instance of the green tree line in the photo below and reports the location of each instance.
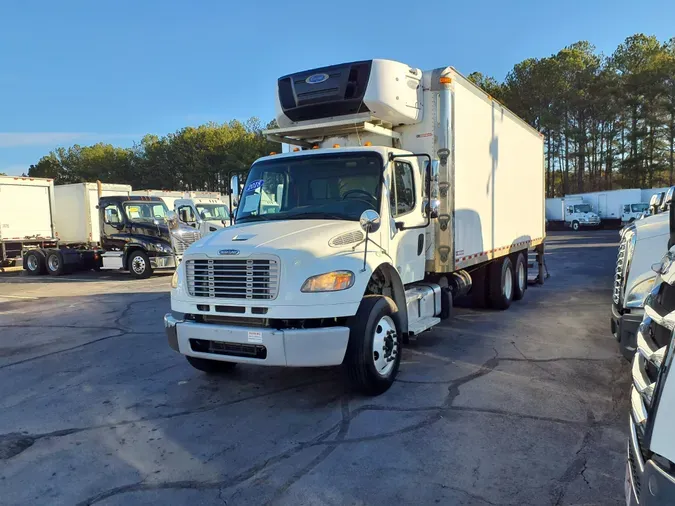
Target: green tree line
(193, 158)
(608, 121)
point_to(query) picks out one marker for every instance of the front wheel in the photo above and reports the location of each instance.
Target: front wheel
(139, 265)
(374, 350)
(575, 226)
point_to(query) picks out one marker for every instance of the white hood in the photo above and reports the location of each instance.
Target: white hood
(271, 237)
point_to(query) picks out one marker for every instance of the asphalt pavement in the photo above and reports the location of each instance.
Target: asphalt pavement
(526, 406)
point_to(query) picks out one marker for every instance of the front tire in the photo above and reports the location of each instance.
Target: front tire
(211, 366)
(139, 265)
(575, 226)
(374, 350)
(501, 283)
(519, 277)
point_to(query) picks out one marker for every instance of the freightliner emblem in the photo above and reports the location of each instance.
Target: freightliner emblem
(317, 78)
(228, 252)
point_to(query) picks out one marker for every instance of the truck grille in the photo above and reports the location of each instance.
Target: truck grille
(654, 337)
(255, 279)
(623, 265)
(181, 242)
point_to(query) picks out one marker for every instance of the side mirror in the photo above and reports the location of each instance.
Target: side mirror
(434, 208)
(370, 221)
(234, 186)
(202, 215)
(172, 219)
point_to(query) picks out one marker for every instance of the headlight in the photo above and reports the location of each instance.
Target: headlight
(174, 279)
(163, 248)
(636, 297)
(329, 282)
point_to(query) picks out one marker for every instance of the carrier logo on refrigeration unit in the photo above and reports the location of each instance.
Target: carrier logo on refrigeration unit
(228, 252)
(317, 78)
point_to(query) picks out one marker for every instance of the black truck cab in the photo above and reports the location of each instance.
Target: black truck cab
(137, 234)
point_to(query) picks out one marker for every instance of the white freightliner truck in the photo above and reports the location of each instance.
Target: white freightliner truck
(650, 470)
(409, 188)
(639, 249)
(572, 212)
(205, 211)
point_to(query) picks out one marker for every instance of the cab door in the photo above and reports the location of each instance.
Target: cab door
(113, 230)
(406, 246)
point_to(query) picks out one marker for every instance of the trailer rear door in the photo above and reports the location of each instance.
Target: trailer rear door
(25, 211)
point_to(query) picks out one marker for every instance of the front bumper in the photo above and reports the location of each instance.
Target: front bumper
(165, 262)
(263, 346)
(646, 482)
(624, 328)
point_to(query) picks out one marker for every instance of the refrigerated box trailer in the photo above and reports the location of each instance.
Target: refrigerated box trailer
(407, 189)
(26, 216)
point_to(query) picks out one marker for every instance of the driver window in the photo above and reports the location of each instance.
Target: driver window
(186, 214)
(111, 215)
(402, 194)
(626, 209)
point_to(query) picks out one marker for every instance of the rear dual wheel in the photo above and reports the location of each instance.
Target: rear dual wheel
(508, 281)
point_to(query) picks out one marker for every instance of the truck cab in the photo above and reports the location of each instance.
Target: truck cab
(632, 212)
(141, 235)
(650, 467)
(579, 214)
(204, 214)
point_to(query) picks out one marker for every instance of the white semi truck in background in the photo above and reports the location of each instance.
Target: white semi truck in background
(407, 191)
(650, 470)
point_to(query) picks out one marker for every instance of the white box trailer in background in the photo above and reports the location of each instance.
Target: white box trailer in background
(26, 216)
(76, 216)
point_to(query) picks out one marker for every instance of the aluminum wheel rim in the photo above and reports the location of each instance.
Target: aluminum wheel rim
(508, 285)
(138, 265)
(53, 262)
(385, 346)
(32, 263)
(521, 277)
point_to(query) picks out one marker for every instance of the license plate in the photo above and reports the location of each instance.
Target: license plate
(628, 488)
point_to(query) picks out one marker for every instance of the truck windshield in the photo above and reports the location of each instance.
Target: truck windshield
(582, 208)
(145, 211)
(639, 208)
(333, 186)
(213, 212)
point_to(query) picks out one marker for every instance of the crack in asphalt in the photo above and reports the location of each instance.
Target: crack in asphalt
(10, 438)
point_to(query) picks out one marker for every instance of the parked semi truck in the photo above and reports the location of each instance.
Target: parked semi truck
(650, 470)
(26, 216)
(406, 191)
(203, 213)
(640, 248)
(99, 226)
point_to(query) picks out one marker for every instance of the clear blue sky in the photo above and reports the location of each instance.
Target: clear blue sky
(111, 71)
